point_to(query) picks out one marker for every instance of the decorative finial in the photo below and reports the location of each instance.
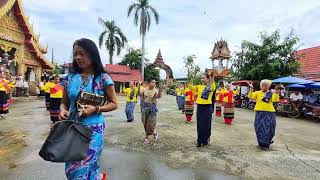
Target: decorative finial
(159, 56)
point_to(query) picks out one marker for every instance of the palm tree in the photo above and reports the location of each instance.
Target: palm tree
(112, 37)
(142, 15)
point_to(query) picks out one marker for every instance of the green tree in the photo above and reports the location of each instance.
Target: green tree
(57, 69)
(190, 67)
(112, 38)
(197, 78)
(142, 17)
(151, 72)
(133, 59)
(272, 58)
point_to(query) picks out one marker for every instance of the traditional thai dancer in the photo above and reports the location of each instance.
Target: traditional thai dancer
(219, 99)
(4, 87)
(132, 93)
(189, 104)
(177, 90)
(42, 87)
(180, 94)
(56, 94)
(204, 109)
(149, 112)
(46, 88)
(228, 104)
(265, 120)
(183, 97)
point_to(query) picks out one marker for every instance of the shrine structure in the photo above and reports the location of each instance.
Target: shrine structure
(20, 50)
(222, 55)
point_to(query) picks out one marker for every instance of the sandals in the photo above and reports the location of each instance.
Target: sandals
(104, 176)
(146, 141)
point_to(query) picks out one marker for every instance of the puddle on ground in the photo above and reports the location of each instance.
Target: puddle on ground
(11, 145)
(139, 166)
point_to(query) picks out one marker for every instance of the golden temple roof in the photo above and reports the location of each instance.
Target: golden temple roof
(33, 40)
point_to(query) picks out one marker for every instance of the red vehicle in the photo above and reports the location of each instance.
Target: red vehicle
(242, 100)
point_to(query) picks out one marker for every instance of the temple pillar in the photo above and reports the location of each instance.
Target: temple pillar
(20, 61)
(38, 74)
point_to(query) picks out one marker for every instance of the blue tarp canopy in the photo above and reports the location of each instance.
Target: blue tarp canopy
(296, 86)
(306, 85)
(291, 80)
(313, 85)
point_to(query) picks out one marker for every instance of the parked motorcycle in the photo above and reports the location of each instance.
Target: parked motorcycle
(284, 107)
(311, 111)
(238, 100)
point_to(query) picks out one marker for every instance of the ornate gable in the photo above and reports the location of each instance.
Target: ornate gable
(10, 29)
(220, 50)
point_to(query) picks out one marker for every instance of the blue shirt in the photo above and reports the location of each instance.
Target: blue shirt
(74, 84)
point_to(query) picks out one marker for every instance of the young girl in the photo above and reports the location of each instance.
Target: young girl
(189, 104)
(219, 99)
(149, 112)
(228, 104)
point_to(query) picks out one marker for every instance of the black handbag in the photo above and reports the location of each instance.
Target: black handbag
(67, 141)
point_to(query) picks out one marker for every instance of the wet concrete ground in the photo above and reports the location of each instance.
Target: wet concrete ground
(29, 120)
(231, 154)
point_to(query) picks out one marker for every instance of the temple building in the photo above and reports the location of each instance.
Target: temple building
(222, 55)
(20, 50)
(122, 75)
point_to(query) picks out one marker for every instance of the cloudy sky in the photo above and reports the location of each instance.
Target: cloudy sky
(186, 26)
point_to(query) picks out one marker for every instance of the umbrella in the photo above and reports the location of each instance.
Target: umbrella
(291, 80)
(296, 86)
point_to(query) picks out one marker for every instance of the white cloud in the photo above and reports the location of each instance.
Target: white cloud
(60, 6)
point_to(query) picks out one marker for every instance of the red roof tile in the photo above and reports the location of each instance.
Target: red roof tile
(122, 73)
(224, 73)
(309, 60)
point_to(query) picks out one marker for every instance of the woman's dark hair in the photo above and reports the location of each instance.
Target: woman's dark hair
(207, 75)
(91, 48)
